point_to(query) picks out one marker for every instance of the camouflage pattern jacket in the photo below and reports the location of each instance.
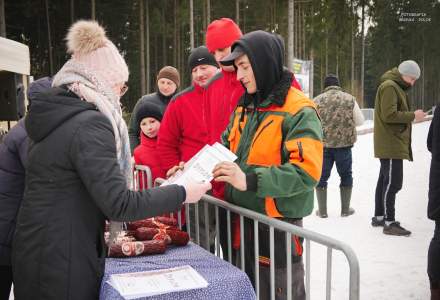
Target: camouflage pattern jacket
(336, 109)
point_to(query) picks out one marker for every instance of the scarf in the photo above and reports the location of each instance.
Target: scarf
(89, 87)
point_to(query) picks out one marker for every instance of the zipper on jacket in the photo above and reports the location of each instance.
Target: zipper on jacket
(300, 148)
(264, 127)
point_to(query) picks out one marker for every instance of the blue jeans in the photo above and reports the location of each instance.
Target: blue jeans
(342, 158)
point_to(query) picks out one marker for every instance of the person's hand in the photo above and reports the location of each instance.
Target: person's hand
(419, 115)
(195, 190)
(231, 173)
(132, 161)
(174, 169)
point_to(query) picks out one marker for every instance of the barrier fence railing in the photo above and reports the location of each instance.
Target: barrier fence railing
(289, 229)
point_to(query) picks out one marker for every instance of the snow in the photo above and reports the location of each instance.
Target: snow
(390, 267)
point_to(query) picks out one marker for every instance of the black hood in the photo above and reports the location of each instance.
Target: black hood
(266, 55)
(51, 109)
(37, 87)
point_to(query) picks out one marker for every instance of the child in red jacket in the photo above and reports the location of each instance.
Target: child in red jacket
(148, 118)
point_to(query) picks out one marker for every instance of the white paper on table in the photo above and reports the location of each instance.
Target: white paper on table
(156, 282)
(199, 167)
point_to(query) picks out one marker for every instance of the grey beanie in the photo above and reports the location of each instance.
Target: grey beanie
(409, 68)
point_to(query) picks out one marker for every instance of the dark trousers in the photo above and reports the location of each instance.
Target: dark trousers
(298, 290)
(5, 282)
(434, 258)
(389, 183)
(343, 159)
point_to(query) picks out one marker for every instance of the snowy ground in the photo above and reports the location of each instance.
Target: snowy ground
(390, 267)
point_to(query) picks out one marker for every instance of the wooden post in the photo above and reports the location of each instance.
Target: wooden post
(142, 44)
(237, 12)
(290, 54)
(49, 39)
(2, 19)
(191, 23)
(147, 22)
(93, 10)
(361, 100)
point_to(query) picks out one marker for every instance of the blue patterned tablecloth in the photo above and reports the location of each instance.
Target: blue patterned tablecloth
(225, 281)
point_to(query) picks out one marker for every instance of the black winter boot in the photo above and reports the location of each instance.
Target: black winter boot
(345, 192)
(321, 195)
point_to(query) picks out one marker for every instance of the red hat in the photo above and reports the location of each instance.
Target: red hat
(221, 34)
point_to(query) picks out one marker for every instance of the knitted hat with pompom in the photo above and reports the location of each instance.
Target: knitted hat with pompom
(89, 45)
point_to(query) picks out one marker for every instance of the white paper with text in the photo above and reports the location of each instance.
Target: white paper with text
(199, 168)
(156, 282)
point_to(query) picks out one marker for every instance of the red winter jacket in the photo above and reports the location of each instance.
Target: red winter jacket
(146, 154)
(195, 117)
(183, 130)
(224, 91)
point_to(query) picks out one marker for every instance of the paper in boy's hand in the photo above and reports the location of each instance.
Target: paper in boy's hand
(199, 168)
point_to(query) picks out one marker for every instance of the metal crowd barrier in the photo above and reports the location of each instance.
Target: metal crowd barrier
(142, 174)
(289, 229)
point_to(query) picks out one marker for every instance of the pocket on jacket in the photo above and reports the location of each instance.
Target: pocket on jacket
(398, 129)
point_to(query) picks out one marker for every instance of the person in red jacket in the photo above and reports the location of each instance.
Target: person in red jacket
(223, 94)
(185, 128)
(148, 118)
(224, 89)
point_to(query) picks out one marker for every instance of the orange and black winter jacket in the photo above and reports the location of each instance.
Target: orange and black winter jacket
(281, 141)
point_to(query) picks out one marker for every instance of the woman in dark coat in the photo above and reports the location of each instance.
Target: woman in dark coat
(13, 153)
(434, 205)
(78, 173)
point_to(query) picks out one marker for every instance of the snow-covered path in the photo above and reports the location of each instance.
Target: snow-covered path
(390, 267)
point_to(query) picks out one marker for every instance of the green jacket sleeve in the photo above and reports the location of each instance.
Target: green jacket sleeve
(302, 156)
(388, 108)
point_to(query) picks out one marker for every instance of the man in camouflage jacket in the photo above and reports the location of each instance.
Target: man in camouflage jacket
(340, 114)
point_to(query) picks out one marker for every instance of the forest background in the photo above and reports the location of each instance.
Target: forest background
(356, 39)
